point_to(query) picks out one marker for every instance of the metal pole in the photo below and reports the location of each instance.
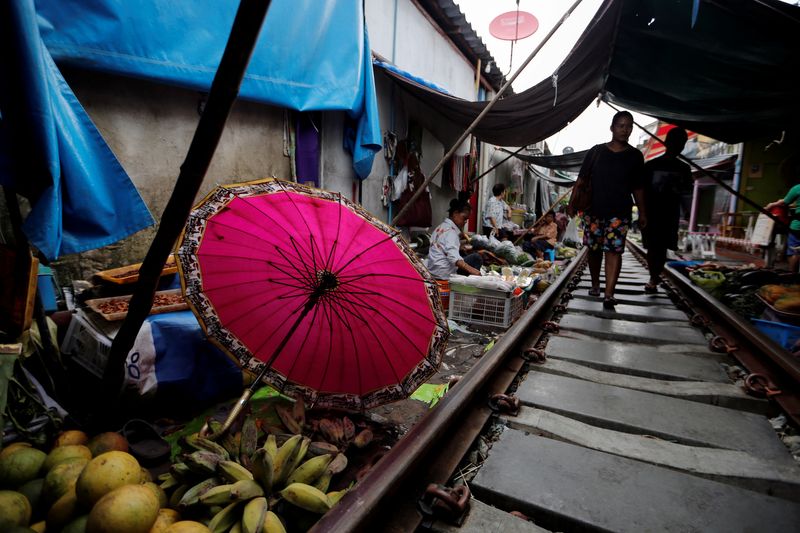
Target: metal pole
(224, 90)
(482, 114)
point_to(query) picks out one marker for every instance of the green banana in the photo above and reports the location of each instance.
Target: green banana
(202, 462)
(192, 496)
(246, 490)
(324, 481)
(271, 445)
(224, 520)
(300, 454)
(181, 472)
(284, 458)
(202, 444)
(177, 494)
(254, 515)
(273, 524)
(237, 528)
(233, 471)
(310, 471)
(249, 440)
(307, 497)
(219, 495)
(168, 481)
(334, 497)
(263, 469)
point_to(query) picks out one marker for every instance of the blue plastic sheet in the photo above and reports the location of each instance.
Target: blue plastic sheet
(312, 55)
(51, 152)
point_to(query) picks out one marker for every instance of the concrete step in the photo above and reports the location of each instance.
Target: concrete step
(645, 413)
(693, 350)
(636, 313)
(571, 488)
(621, 288)
(636, 360)
(660, 300)
(626, 330)
(483, 518)
(780, 479)
(722, 394)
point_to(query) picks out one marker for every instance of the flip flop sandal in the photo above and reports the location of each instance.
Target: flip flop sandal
(594, 292)
(145, 442)
(609, 302)
(650, 289)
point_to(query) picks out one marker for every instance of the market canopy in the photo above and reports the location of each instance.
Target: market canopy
(311, 55)
(726, 70)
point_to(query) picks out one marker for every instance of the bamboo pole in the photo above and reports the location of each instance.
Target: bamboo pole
(482, 114)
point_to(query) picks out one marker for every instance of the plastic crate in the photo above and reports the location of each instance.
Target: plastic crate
(784, 334)
(88, 346)
(484, 307)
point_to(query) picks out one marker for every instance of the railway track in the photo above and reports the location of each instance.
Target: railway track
(583, 419)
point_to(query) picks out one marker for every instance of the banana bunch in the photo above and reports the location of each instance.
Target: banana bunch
(342, 433)
(237, 486)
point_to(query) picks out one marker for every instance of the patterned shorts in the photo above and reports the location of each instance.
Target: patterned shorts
(607, 235)
(793, 244)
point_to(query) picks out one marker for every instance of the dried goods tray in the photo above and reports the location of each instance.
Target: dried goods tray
(783, 316)
(106, 308)
(130, 274)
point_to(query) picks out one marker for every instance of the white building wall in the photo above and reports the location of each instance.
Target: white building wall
(403, 34)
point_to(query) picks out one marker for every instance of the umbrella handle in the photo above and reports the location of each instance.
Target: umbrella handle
(232, 416)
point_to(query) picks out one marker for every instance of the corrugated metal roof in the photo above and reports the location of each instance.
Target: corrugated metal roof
(453, 22)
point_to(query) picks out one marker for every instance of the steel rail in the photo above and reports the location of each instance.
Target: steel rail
(756, 352)
(368, 501)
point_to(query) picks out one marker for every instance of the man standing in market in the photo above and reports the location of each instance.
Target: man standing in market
(793, 243)
(495, 212)
(666, 180)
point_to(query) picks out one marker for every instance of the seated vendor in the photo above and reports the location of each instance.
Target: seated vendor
(541, 237)
(444, 257)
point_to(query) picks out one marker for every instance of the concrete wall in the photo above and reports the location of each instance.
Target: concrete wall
(149, 128)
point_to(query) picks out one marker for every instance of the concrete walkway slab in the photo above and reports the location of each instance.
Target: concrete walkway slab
(483, 518)
(634, 411)
(635, 360)
(621, 288)
(636, 313)
(723, 394)
(774, 478)
(570, 488)
(640, 298)
(633, 331)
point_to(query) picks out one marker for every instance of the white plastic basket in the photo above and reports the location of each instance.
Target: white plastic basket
(486, 307)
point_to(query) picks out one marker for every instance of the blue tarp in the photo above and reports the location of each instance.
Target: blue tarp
(51, 152)
(312, 55)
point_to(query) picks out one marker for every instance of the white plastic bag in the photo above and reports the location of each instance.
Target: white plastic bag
(571, 233)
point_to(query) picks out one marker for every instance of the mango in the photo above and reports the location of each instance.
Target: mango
(15, 510)
(159, 492)
(60, 479)
(126, 509)
(63, 511)
(107, 442)
(32, 490)
(65, 453)
(13, 446)
(78, 525)
(72, 436)
(20, 466)
(165, 518)
(105, 473)
(187, 526)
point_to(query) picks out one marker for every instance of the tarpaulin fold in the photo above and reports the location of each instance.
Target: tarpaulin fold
(51, 152)
(730, 75)
(312, 55)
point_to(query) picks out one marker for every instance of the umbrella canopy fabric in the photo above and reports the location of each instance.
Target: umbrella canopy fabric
(302, 281)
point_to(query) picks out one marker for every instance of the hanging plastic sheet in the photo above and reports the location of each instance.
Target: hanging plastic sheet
(51, 152)
(312, 55)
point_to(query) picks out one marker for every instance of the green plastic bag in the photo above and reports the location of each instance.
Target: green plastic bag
(708, 280)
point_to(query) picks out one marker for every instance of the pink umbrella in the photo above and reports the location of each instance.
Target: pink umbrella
(312, 293)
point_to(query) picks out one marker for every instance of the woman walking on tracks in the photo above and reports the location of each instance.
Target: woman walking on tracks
(615, 169)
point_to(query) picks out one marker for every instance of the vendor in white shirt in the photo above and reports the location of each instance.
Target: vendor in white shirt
(496, 212)
(444, 257)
